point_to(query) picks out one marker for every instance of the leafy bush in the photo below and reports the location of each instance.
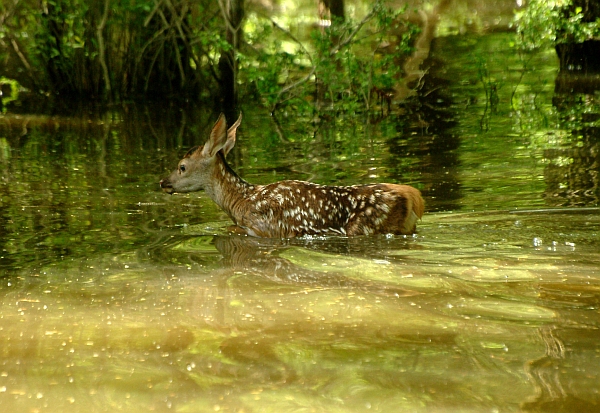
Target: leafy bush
(552, 22)
(113, 48)
(338, 68)
(121, 49)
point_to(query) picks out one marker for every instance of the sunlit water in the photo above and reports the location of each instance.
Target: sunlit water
(116, 297)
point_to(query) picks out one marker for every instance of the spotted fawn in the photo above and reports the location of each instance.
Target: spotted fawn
(290, 208)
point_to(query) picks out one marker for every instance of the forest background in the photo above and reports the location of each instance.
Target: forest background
(348, 57)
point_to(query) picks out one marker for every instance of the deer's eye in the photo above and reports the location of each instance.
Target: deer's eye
(182, 168)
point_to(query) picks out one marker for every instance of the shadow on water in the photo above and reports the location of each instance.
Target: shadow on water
(427, 131)
(573, 172)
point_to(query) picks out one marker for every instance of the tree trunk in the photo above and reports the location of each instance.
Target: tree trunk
(233, 15)
(331, 9)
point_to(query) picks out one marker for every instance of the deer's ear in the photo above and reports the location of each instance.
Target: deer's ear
(218, 138)
(231, 136)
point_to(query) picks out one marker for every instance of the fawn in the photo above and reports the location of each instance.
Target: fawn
(290, 208)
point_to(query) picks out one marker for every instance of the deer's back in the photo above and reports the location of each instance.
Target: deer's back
(296, 208)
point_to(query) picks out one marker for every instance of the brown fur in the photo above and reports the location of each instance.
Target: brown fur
(293, 208)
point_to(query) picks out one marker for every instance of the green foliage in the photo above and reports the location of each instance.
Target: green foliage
(113, 49)
(61, 42)
(337, 68)
(270, 64)
(544, 23)
(14, 86)
(120, 49)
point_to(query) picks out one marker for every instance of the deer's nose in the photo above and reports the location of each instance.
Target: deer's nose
(166, 185)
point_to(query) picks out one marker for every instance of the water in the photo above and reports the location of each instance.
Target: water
(117, 297)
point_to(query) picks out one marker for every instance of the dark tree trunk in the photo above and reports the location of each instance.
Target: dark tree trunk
(233, 14)
(331, 10)
(54, 33)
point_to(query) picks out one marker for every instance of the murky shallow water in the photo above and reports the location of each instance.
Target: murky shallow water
(116, 297)
(479, 312)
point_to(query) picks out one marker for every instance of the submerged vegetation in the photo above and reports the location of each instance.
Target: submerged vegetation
(114, 50)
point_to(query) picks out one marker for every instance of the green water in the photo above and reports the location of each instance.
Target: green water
(115, 297)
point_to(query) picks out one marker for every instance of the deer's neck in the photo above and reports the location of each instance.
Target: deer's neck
(228, 190)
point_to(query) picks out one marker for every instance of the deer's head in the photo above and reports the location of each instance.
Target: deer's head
(196, 170)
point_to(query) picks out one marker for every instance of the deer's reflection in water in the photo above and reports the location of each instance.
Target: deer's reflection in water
(261, 299)
(261, 258)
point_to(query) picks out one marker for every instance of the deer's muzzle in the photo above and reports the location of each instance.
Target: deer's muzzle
(166, 186)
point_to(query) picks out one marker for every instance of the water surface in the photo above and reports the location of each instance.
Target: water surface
(117, 297)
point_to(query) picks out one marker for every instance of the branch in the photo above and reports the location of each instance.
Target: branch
(23, 59)
(101, 55)
(291, 36)
(353, 34)
(156, 6)
(177, 21)
(227, 17)
(293, 86)
(331, 53)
